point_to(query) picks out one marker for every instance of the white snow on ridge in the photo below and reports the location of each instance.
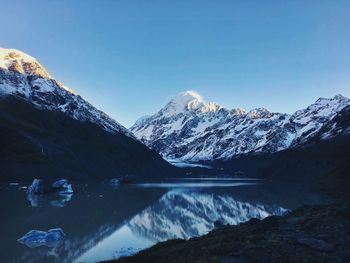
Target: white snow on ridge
(24, 77)
(189, 129)
(184, 101)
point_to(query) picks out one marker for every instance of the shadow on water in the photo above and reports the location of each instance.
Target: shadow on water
(102, 222)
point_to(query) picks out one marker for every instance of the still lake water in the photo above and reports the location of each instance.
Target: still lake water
(104, 222)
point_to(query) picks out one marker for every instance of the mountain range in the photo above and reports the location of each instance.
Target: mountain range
(189, 129)
(47, 130)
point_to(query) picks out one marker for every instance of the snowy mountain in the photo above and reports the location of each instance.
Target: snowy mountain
(24, 77)
(190, 129)
(47, 131)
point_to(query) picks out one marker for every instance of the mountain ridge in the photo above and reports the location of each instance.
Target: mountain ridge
(198, 134)
(23, 76)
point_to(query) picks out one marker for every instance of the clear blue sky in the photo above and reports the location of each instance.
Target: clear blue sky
(129, 57)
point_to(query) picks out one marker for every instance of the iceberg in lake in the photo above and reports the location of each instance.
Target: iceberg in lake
(37, 238)
(33, 191)
(37, 187)
(63, 186)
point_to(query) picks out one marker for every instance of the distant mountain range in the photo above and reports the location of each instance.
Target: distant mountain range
(189, 129)
(46, 130)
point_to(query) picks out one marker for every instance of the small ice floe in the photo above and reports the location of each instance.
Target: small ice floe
(37, 187)
(62, 186)
(13, 184)
(125, 252)
(100, 196)
(33, 191)
(37, 238)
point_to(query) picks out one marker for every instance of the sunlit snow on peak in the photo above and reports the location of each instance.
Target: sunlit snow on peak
(17, 61)
(187, 100)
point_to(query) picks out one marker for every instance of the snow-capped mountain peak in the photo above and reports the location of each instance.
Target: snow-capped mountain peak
(340, 97)
(199, 131)
(22, 76)
(309, 121)
(259, 113)
(15, 60)
(210, 107)
(238, 111)
(188, 100)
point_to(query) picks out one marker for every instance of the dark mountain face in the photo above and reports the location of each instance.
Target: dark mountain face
(48, 131)
(41, 143)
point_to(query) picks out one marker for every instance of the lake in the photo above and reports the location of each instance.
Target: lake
(102, 222)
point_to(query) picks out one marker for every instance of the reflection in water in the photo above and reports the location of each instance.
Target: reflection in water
(185, 214)
(130, 217)
(178, 214)
(62, 200)
(57, 199)
(194, 184)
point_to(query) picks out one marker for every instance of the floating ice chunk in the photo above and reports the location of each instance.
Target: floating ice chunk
(36, 187)
(37, 238)
(33, 191)
(59, 183)
(63, 186)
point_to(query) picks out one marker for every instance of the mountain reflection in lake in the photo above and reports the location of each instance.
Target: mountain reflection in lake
(185, 214)
(101, 222)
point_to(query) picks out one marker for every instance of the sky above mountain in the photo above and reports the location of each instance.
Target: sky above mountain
(129, 58)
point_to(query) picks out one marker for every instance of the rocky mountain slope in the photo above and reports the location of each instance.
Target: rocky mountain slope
(23, 76)
(190, 129)
(48, 131)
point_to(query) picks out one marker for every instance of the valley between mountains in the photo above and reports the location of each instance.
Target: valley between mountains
(44, 125)
(48, 131)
